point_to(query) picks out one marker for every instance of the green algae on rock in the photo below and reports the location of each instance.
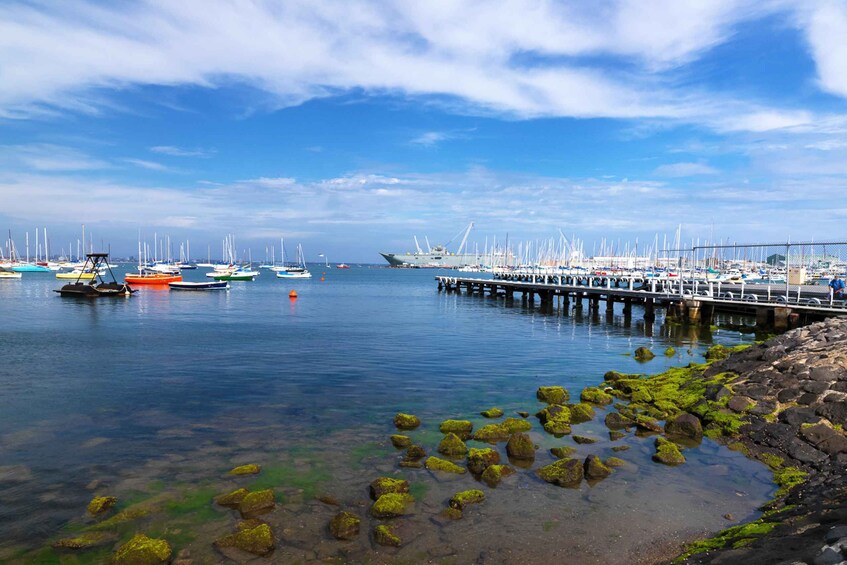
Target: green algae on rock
(462, 428)
(685, 425)
(644, 354)
(584, 440)
(620, 448)
(594, 395)
(257, 502)
(251, 469)
(462, 499)
(492, 413)
(493, 433)
(122, 517)
(582, 412)
(564, 473)
(670, 352)
(85, 540)
(615, 435)
(552, 394)
(253, 537)
(667, 453)
(384, 535)
(414, 452)
(401, 441)
(100, 504)
(451, 513)
(406, 421)
(556, 419)
(392, 505)
(387, 485)
(481, 458)
(437, 464)
(344, 526)
(562, 452)
(595, 469)
(141, 550)
(493, 474)
(520, 446)
(233, 498)
(614, 462)
(729, 538)
(616, 421)
(452, 446)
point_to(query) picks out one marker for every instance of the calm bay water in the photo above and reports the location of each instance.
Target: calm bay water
(153, 398)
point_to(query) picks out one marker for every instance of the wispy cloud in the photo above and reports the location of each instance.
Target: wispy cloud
(684, 170)
(179, 152)
(49, 157)
(149, 165)
(430, 138)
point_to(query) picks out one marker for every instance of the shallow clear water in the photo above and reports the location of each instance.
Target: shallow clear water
(158, 395)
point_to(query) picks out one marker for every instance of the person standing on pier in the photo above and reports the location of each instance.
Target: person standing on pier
(837, 286)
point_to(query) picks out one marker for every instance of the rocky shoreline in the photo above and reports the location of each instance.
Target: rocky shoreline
(791, 393)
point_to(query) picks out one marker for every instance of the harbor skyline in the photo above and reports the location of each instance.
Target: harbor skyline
(354, 128)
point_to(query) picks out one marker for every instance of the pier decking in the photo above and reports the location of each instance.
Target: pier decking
(778, 306)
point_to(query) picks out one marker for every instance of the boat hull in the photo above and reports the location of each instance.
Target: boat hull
(86, 290)
(8, 275)
(284, 275)
(75, 276)
(199, 286)
(434, 260)
(152, 279)
(234, 277)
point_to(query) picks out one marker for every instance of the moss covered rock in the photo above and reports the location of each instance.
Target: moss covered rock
(401, 441)
(615, 435)
(384, 535)
(480, 459)
(387, 485)
(595, 469)
(258, 502)
(641, 395)
(552, 394)
(562, 452)
(556, 419)
(438, 464)
(251, 469)
(667, 453)
(493, 474)
(122, 517)
(406, 421)
(523, 414)
(253, 537)
(582, 412)
(648, 424)
(86, 540)
(452, 446)
(615, 462)
(392, 505)
(685, 425)
(643, 354)
(462, 499)
(344, 526)
(514, 425)
(141, 550)
(492, 413)
(233, 498)
(619, 448)
(520, 446)
(491, 433)
(583, 440)
(462, 428)
(100, 504)
(670, 352)
(564, 473)
(450, 513)
(594, 395)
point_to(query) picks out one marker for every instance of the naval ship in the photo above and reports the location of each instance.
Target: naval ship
(437, 256)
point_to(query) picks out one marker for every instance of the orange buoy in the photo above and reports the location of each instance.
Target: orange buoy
(322, 279)
(292, 294)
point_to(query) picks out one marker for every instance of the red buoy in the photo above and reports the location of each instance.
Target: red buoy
(292, 294)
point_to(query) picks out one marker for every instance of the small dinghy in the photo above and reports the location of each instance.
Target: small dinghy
(216, 285)
(92, 289)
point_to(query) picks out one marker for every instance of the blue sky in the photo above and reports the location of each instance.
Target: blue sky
(351, 127)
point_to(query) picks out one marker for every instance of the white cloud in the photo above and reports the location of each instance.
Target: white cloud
(149, 165)
(475, 56)
(684, 170)
(825, 22)
(430, 138)
(49, 157)
(179, 152)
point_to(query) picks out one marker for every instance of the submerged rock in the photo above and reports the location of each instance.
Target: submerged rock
(437, 464)
(685, 425)
(415, 452)
(462, 428)
(392, 505)
(141, 550)
(582, 412)
(595, 396)
(615, 435)
(387, 485)
(594, 468)
(100, 504)
(480, 459)
(492, 433)
(401, 441)
(492, 413)
(493, 474)
(384, 535)
(450, 513)
(648, 424)
(452, 446)
(251, 469)
(344, 526)
(620, 448)
(520, 446)
(667, 453)
(124, 516)
(644, 354)
(406, 421)
(233, 498)
(556, 419)
(562, 452)
(257, 502)
(615, 462)
(564, 473)
(582, 440)
(86, 540)
(670, 352)
(253, 537)
(552, 394)
(523, 414)
(462, 499)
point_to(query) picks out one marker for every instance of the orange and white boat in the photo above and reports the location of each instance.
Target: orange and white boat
(146, 276)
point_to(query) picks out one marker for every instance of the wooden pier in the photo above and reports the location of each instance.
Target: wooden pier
(775, 306)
